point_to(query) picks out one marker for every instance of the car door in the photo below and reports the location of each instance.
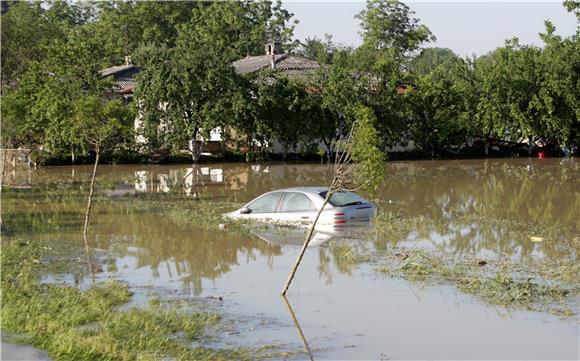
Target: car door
(265, 207)
(296, 207)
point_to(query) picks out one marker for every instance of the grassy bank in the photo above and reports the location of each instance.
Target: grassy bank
(93, 324)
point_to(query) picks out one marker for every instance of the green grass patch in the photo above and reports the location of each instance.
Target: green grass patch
(71, 324)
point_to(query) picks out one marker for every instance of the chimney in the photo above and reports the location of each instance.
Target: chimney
(273, 47)
(128, 60)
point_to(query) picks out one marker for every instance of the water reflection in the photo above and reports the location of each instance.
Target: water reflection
(490, 208)
(480, 207)
(323, 234)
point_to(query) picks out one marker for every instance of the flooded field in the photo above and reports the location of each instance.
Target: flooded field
(340, 306)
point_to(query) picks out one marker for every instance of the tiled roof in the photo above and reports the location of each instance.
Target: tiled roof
(287, 65)
(124, 77)
(117, 70)
(250, 64)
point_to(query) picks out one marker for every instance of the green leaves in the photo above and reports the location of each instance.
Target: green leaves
(390, 24)
(102, 124)
(436, 107)
(183, 89)
(366, 151)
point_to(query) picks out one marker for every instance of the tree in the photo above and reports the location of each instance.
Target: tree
(431, 58)
(391, 35)
(286, 110)
(514, 102)
(103, 125)
(125, 26)
(322, 51)
(389, 24)
(436, 107)
(30, 28)
(558, 94)
(338, 84)
(183, 91)
(41, 105)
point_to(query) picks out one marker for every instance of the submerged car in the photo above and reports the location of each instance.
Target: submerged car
(301, 205)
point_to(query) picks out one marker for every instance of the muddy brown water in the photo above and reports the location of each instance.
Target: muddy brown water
(488, 208)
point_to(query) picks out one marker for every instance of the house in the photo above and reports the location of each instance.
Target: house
(282, 65)
(285, 65)
(123, 83)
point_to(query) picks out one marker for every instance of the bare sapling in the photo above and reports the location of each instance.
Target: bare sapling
(357, 165)
(90, 197)
(102, 126)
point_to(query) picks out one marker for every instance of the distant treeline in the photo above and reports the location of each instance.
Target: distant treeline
(52, 95)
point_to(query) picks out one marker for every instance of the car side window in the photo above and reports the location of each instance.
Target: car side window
(295, 202)
(265, 204)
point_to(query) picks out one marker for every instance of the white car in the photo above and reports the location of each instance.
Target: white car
(301, 205)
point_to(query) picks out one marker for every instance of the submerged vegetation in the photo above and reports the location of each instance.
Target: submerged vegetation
(494, 283)
(496, 261)
(73, 324)
(538, 284)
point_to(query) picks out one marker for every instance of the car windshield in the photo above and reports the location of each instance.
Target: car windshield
(342, 199)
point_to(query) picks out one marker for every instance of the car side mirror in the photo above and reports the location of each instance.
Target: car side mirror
(245, 210)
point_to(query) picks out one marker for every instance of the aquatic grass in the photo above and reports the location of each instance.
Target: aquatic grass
(504, 290)
(346, 256)
(502, 283)
(71, 324)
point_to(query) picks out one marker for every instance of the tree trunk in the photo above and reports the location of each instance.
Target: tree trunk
(2, 178)
(195, 152)
(90, 199)
(486, 147)
(305, 245)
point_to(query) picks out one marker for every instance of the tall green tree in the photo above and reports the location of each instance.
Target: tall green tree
(391, 35)
(338, 85)
(429, 59)
(125, 26)
(29, 27)
(437, 111)
(322, 51)
(390, 24)
(558, 97)
(286, 110)
(183, 91)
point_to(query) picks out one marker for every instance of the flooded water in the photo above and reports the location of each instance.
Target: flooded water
(487, 208)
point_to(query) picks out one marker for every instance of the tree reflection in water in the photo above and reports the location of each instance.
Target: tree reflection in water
(476, 207)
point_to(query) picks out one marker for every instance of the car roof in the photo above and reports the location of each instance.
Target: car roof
(304, 189)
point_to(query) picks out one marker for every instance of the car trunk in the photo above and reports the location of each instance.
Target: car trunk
(353, 213)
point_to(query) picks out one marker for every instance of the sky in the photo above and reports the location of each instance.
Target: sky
(466, 27)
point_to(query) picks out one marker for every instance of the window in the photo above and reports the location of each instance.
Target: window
(265, 204)
(342, 199)
(295, 202)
